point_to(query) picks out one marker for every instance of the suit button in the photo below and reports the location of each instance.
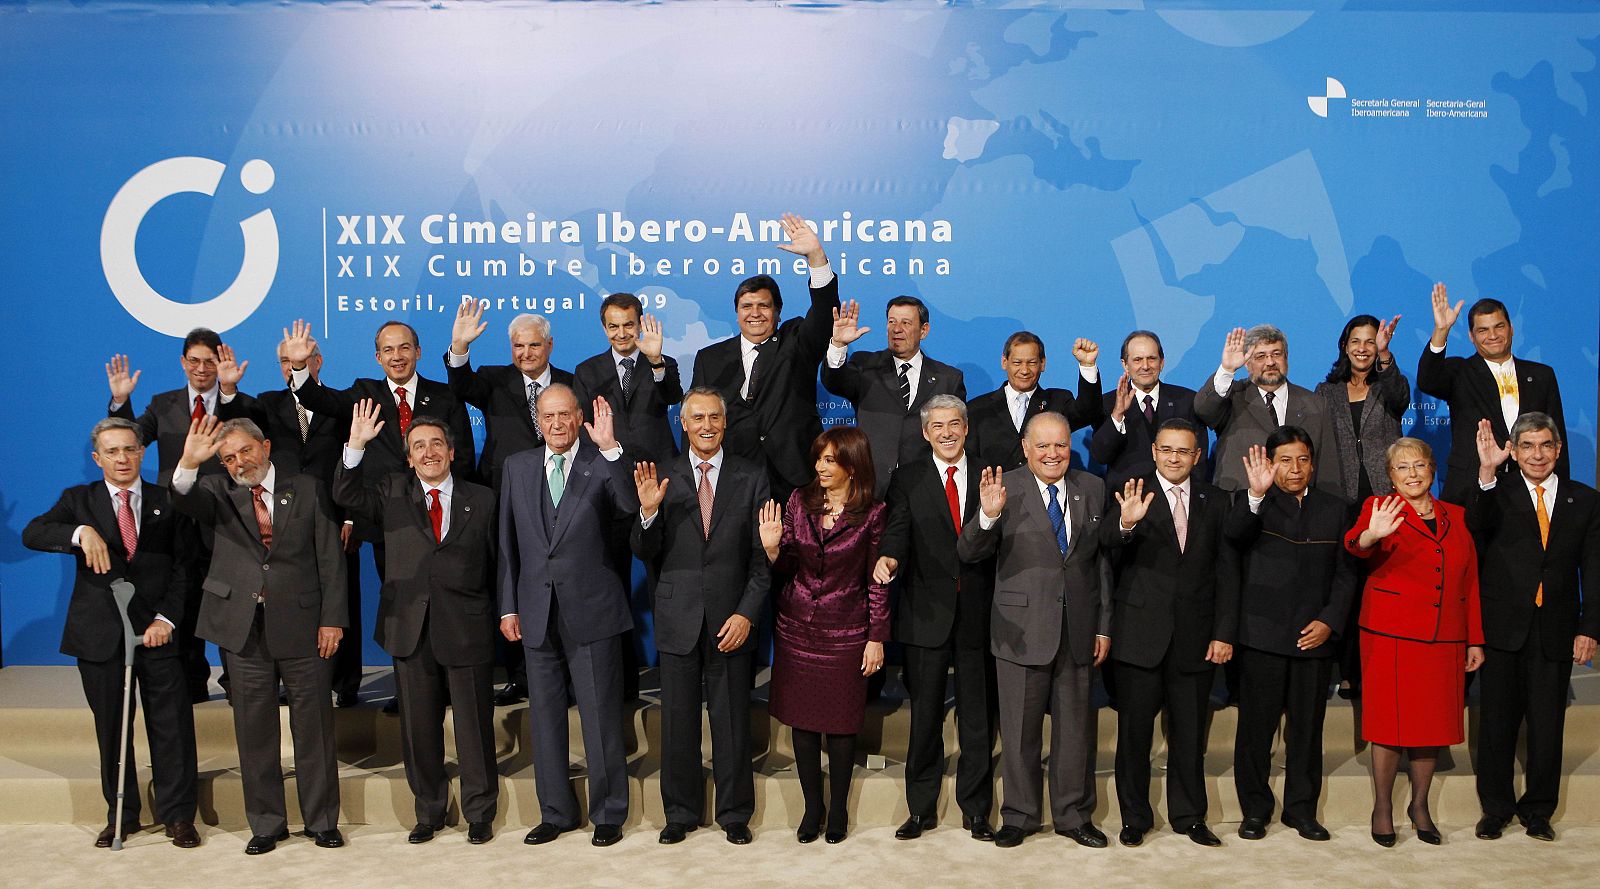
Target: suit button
(265, 567)
(1437, 568)
(1436, 604)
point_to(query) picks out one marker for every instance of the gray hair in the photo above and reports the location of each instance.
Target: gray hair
(1534, 421)
(110, 423)
(1264, 333)
(528, 319)
(944, 403)
(707, 392)
(556, 387)
(244, 425)
(1060, 418)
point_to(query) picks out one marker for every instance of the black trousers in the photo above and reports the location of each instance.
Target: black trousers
(1274, 687)
(925, 673)
(727, 681)
(191, 648)
(426, 688)
(1142, 693)
(347, 660)
(168, 723)
(1516, 687)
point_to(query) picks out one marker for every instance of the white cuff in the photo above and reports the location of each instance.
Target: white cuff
(644, 522)
(76, 534)
(352, 456)
(836, 354)
(224, 398)
(451, 359)
(1255, 503)
(821, 275)
(1221, 381)
(1089, 372)
(183, 479)
(1120, 425)
(612, 454)
(984, 522)
(1436, 349)
(166, 620)
(297, 378)
(1481, 487)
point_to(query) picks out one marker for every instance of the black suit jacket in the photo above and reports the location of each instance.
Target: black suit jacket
(777, 427)
(1171, 598)
(1241, 420)
(500, 393)
(700, 582)
(1512, 564)
(1293, 568)
(640, 421)
(994, 441)
(1126, 454)
(1469, 387)
(449, 584)
(157, 570)
(275, 413)
(165, 423)
(871, 381)
(935, 584)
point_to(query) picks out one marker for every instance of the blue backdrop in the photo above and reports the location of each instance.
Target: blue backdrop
(1078, 169)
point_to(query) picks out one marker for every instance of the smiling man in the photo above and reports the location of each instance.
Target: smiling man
(635, 378)
(1134, 411)
(996, 419)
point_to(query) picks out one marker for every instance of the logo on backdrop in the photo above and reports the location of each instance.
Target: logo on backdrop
(1319, 104)
(120, 261)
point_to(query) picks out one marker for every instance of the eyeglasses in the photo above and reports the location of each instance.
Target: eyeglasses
(1164, 451)
(201, 362)
(1546, 447)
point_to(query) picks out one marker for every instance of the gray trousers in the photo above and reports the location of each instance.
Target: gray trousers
(1024, 693)
(596, 670)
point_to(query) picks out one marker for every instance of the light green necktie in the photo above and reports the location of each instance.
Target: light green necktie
(558, 479)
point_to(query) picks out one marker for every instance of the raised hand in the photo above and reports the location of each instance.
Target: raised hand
(1233, 350)
(1387, 517)
(1386, 336)
(1124, 399)
(1134, 501)
(771, 527)
(601, 431)
(364, 424)
(468, 326)
(883, 572)
(118, 378)
(992, 491)
(1490, 453)
(229, 371)
(1258, 471)
(651, 491)
(650, 338)
(1444, 317)
(1086, 351)
(802, 241)
(200, 445)
(846, 323)
(95, 552)
(298, 343)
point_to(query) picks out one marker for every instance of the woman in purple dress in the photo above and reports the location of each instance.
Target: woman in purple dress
(832, 619)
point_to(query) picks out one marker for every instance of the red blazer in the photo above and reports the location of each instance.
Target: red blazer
(1421, 585)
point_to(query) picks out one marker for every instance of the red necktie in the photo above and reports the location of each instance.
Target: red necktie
(263, 518)
(405, 411)
(125, 523)
(199, 411)
(436, 515)
(953, 496)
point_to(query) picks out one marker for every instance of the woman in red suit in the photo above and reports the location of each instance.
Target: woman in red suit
(1421, 631)
(832, 618)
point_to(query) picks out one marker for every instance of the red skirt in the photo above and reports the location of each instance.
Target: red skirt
(1412, 693)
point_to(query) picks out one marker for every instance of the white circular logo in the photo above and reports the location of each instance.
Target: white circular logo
(120, 261)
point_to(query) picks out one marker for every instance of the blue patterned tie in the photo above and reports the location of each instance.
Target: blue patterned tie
(1057, 520)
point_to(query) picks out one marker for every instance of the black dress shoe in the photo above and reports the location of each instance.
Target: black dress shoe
(421, 834)
(1308, 828)
(979, 825)
(479, 832)
(183, 834)
(544, 833)
(345, 699)
(1085, 834)
(327, 839)
(674, 833)
(738, 834)
(810, 827)
(391, 707)
(1540, 829)
(914, 827)
(510, 694)
(1201, 834)
(261, 845)
(104, 839)
(606, 834)
(1252, 828)
(1386, 840)
(1130, 836)
(1009, 836)
(1490, 827)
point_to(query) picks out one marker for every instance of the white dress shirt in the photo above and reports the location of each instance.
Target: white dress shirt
(713, 475)
(1138, 405)
(961, 477)
(986, 523)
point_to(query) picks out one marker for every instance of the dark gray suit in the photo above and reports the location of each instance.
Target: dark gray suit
(262, 607)
(570, 590)
(1242, 420)
(871, 381)
(700, 582)
(1048, 608)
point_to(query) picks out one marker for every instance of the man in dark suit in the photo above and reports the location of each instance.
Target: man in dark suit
(564, 596)
(1539, 564)
(1296, 586)
(768, 373)
(309, 442)
(505, 394)
(942, 619)
(635, 378)
(1491, 385)
(122, 528)
(1174, 619)
(435, 617)
(1133, 412)
(995, 419)
(1245, 412)
(274, 603)
(212, 390)
(889, 388)
(702, 542)
(1049, 628)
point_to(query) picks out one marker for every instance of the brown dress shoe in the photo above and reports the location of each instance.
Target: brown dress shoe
(183, 834)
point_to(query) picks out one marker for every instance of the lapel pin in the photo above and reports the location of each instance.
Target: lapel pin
(284, 502)
(466, 509)
(1077, 497)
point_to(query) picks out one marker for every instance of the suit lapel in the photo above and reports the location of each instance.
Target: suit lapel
(461, 503)
(933, 493)
(1257, 406)
(104, 510)
(725, 491)
(1485, 383)
(578, 480)
(243, 503)
(1077, 510)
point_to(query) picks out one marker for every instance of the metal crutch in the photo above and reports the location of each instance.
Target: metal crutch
(122, 591)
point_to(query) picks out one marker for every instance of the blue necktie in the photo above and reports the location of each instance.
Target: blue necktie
(1057, 520)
